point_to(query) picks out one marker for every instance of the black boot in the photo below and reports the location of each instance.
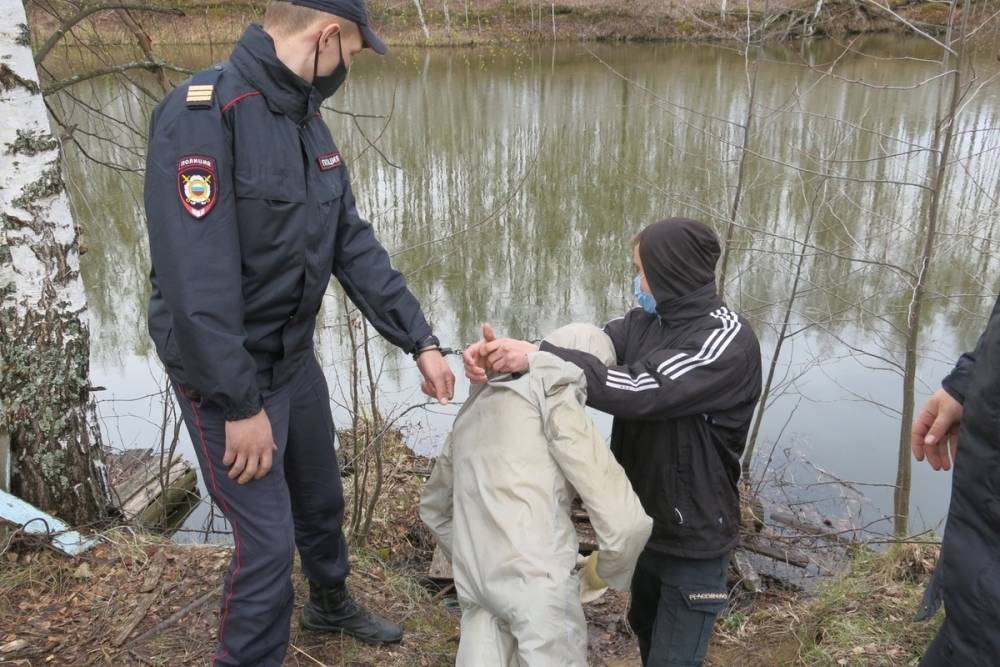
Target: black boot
(334, 610)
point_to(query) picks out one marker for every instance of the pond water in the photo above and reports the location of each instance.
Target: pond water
(508, 183)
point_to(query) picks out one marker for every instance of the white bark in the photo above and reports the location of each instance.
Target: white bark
(423, 23)
(44, 338)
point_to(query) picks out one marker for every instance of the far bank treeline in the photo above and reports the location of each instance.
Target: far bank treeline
(472, 22)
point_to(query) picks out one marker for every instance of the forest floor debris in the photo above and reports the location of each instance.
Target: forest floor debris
(137, 599)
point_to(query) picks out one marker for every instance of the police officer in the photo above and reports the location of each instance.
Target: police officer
(250, 211)
(959, 424)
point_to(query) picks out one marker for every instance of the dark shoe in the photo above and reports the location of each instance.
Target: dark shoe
(334, 610)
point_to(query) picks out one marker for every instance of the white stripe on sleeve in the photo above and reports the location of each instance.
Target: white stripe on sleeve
(733, 329)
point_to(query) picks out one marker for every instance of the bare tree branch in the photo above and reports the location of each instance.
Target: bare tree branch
(89, 10)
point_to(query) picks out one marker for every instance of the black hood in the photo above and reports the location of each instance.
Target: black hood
(678, 257)
(284, 91)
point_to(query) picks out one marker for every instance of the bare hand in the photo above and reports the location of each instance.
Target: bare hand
(935, 431)
(439, 381)
(474, 360)
(249, 448)
(507, 355)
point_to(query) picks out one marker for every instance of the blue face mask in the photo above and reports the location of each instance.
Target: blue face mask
(642, 297)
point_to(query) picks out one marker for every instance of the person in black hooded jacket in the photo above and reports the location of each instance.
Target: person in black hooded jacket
(962, 417)
(683, 392)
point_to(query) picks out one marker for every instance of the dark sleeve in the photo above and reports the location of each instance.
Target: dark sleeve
(363, 268)
(197, 260)
(958, 382)
(710, 372)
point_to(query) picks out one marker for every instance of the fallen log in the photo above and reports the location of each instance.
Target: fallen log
(748, 574)
(782, 555)
(791, 521)
(153, 494)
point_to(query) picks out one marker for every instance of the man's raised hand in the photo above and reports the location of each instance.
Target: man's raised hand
(508, 355)
(474, 359)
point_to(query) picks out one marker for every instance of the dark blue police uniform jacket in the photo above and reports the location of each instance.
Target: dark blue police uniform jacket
(250, 210)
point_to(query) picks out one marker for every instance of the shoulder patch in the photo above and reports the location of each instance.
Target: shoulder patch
(197, 184)
(329, 161)
(201, 90)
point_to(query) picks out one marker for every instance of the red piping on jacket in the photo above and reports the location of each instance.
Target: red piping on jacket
(236, 100)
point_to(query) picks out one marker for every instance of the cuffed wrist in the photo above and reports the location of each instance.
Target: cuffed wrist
(424, 343)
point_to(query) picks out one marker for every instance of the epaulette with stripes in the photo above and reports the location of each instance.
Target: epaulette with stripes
(201, 90)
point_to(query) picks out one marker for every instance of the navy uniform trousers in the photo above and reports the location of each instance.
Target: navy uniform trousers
(299, 503)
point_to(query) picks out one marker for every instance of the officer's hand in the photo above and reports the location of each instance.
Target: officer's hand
(439, 381)
(249, 448)
(507, 355)
(474, 360)
(935, 431)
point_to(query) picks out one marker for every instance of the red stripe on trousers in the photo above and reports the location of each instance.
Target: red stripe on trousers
(232, 519)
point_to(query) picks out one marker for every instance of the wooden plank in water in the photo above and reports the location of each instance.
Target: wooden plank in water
(148, 496)
(823, 532)
(778, 553)
(152, 486)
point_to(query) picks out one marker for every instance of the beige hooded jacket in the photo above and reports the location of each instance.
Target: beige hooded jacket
(499, 499)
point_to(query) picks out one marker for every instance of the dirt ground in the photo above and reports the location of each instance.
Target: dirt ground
(115, 605)
(136, 599)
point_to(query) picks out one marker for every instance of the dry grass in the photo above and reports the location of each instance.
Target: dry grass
(862, 618)
(69, 611)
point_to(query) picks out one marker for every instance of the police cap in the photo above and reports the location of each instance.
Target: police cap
(354, 10)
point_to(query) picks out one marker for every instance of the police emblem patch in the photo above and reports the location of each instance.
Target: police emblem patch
(329, 161)
(197, 184)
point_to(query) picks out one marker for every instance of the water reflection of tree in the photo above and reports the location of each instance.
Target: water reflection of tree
(872, 265)
(101, 96)
(603, 159)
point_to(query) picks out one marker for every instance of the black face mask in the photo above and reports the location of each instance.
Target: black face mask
(328, 85)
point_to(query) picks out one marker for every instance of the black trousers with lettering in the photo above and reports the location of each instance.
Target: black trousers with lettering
(298, 504)
(675, 602)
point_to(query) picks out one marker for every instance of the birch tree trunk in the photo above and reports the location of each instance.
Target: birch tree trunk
(44, 336)
(423, 22)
